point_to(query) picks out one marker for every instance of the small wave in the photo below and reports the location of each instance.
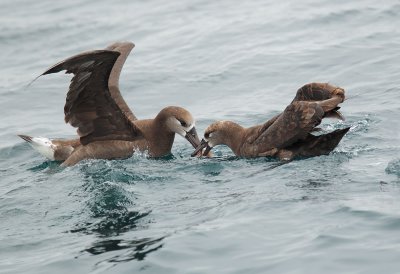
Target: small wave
(352, 151)
(393, 167)
(362, 125)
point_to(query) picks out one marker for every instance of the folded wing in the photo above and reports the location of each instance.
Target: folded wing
(312, 103)
(297, 120)
(318, 92)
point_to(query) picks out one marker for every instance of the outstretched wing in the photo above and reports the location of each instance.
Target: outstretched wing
(90, 106)
(124, 48)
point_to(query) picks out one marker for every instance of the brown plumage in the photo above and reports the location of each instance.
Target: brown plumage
(288, 134)
(106, 126)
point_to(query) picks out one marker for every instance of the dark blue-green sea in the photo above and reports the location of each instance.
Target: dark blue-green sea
(222, 60)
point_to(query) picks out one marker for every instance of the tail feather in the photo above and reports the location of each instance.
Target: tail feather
(317, 145)
(25, 138)
(42, 145)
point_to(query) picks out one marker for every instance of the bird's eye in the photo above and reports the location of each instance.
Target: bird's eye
(207, 135)
(183, 124)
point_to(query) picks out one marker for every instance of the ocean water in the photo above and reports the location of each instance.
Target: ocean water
(222, 60)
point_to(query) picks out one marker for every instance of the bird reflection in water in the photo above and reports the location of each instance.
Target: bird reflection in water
(113, 216)
(138, 249)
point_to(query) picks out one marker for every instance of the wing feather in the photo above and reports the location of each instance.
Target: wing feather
(90, 106)
(124, 48)
(297, 120)
(300, 116)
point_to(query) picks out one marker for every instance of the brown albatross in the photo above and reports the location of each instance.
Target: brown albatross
(288, 134)
(106, 126)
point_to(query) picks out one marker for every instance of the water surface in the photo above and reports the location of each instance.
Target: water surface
(240, 61)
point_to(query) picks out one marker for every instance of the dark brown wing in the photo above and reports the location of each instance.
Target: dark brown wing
(312, 103)
(298, 119)
(314, 92)
(318, 92)
(90, 106)
(124, 48)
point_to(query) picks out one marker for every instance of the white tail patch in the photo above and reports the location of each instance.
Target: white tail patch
(44, 146)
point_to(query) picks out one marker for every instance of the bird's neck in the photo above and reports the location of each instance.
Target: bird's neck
(161, 137)
(233, 138)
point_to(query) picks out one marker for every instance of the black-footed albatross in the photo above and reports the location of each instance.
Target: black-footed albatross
(106, 126)
(288, 134)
